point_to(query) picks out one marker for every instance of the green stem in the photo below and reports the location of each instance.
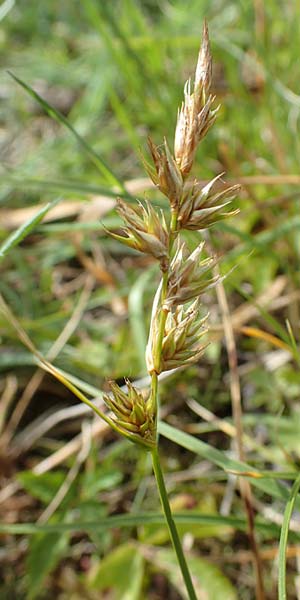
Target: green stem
(171, 525)
(154, 400)
(282, 593)
(162, 322)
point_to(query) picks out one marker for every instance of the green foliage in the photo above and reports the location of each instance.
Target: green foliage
(46, 550)
(209, 580)
(120, 571)
(43, 487)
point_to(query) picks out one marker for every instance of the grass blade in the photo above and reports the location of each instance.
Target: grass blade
(58, 116)
(135, 520)
(272, 488)
(17, 236)
(284, 538)
(136, 315)
(64, 184)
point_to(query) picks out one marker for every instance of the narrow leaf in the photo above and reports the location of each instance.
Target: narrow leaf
(17, 236)
(135, 520)
(58, 116)
(284, 538)
(272, 488)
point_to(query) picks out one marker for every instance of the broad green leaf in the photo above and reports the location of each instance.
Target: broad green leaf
(46, 550)
(44, 487)
(98, 480)
(122, 572)
(209, 582)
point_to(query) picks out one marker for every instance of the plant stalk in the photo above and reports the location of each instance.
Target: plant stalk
(154, 452)
(171, 525)
(163, 313)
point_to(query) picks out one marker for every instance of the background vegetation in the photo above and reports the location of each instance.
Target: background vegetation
(80, 515)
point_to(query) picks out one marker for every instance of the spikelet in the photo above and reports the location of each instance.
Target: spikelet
(181, 342)
(165, 173)
(196, 114)
(134, 416)
(190, 276)
(202, 207)
(146, 230)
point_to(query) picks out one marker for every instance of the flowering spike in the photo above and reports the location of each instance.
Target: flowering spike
(189, 276)
(181, 342)
(165, 174)
(145, 230)
(203, 74)
(201, 207)
(134, 416)
(196, 115)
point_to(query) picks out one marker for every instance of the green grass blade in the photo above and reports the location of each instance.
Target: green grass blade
(135, 520)
(64, 184)
(272, 488)
(5, 8)
(58, 116)
(136, 315)
(25, 229)
(293, 343)
(284, 538)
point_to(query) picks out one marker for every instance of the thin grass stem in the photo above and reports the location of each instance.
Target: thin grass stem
(171, 525)
(282, 593)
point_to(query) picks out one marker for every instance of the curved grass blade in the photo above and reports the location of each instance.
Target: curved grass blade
(135, 520)
(294, 348)
(262, 239)
(272, 488)
(49, 368)
(63, 184)
(17, 236)
(58, 116)
(284, 538)
(46, 365)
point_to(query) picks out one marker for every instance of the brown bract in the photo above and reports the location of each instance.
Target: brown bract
(202, 207)
(190, 276)
(195, 115)
(165, 174)
(145, 229)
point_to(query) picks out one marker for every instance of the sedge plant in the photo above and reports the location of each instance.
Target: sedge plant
(177, 328)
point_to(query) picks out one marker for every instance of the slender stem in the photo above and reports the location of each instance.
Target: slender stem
(282, 595)
(154, 400)
(171, 525)
(164, 288)
(162, 322)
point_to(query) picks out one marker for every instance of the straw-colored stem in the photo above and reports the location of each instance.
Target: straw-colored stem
(164, 288)
(171, 525)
